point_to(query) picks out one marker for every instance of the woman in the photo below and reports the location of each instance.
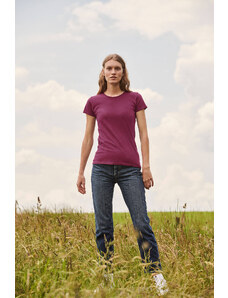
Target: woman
(117, 161)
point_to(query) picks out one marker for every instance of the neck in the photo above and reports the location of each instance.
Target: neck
(113, 89)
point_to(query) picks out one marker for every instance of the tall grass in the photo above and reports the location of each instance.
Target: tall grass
(56, 255)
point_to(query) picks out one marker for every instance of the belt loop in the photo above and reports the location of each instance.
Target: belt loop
(115, 171)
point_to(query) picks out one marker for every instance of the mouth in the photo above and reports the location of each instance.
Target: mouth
(113, 78)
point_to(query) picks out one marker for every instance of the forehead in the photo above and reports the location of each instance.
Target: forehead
(113, 63)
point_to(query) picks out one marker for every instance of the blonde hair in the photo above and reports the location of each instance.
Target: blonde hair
(124, 82)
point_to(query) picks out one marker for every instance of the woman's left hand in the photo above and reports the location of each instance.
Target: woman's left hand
(147, 178)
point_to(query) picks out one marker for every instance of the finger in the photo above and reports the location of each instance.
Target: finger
(146, 185)
(81, 188)
(149, 184)
(82, 191)
(82, 185)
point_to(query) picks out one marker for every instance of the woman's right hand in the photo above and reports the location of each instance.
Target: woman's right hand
(81, 184)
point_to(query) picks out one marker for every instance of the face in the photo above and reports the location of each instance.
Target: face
(113, 71)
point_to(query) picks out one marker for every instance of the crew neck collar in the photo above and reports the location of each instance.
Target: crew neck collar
(113, 96)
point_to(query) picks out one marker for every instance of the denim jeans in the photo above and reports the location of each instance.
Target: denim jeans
(129, 179)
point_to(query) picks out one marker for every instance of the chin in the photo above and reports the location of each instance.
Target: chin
(114, 82)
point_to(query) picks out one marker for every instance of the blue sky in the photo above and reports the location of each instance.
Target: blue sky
(168, 49)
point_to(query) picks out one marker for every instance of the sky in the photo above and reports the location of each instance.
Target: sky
(168, 49)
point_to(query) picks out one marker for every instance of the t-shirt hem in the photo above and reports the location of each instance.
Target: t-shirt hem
(119, 163)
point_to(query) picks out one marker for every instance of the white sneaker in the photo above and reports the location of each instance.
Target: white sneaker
(161, 284)
(109, 278)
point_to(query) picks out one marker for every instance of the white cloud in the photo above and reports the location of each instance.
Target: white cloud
(50, 95)
(180, 186)
(151, 18)
(65, 36)
(21, 72)
(181, 157)
(87, 17)
(26, 156)
(180, 134)
(194, 68)
(53, 180)
(33, 136)
(205, 121)
(190, 21)
(204, 127)
(149, 95)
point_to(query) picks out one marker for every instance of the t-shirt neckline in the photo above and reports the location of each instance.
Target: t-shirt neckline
(113, 96)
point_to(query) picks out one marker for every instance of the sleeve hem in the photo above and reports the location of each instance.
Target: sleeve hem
(144, 108)
(89, 114)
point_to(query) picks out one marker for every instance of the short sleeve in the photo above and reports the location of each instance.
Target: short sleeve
(88, 109)
(140, 104)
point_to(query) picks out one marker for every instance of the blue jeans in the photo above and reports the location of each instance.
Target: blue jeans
(130, 181)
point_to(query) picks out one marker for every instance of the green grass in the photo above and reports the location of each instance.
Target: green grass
(56, 255)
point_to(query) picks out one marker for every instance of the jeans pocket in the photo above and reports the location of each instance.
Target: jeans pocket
(96, 169)
(100, 169)
(135, 171)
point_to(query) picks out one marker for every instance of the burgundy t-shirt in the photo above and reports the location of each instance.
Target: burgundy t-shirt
(116, 117)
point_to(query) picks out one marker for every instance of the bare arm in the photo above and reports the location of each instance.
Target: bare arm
(143, 134)
(87, 145)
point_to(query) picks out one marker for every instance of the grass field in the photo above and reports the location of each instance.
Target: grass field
(56, 255)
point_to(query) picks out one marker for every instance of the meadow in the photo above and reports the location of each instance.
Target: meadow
(56, 255)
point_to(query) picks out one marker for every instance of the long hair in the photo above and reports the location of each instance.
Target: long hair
(124, 82)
